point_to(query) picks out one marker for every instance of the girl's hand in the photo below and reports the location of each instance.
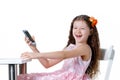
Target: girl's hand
(33, 47)
(29, 55)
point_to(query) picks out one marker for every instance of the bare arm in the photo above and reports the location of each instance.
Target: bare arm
(82, 50)
(44, 61)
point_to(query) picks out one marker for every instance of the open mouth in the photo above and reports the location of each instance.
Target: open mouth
(78, 36)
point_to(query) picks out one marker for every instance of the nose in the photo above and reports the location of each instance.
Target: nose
(78, 31)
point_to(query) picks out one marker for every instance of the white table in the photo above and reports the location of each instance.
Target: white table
(12, 65)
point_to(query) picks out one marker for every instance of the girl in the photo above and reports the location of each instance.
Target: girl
(81, 54)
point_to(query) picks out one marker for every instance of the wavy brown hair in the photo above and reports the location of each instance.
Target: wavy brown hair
(93, 42)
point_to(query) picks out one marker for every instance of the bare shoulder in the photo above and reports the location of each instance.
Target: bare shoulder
(84, 47)
(85, 51)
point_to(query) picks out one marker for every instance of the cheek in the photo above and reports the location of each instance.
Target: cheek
(73, 33)
(87, 32)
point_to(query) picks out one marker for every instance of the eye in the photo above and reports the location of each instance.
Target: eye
(83, 28)
(74, 27)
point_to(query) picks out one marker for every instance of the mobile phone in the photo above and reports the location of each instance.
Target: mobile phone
(27, 34)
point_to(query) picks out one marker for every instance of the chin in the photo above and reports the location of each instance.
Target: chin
(78, 41)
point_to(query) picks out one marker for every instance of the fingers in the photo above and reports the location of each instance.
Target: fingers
(25, 55)
(26, 38)
(29, 42)
(33, 38)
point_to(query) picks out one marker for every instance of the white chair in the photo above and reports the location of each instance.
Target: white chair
(107, 55)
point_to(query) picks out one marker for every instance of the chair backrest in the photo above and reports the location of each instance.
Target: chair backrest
(108, 55)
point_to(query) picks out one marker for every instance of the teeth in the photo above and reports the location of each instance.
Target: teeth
(78, 35)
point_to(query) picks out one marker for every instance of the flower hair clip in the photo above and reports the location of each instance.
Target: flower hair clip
(93, 21)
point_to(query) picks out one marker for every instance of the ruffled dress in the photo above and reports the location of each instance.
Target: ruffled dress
(73, 69)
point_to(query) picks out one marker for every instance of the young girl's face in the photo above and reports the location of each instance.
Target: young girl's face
(81, 31)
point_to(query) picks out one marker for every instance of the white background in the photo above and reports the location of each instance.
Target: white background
(49, 21)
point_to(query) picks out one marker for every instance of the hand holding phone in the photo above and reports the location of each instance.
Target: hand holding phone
(27, 34)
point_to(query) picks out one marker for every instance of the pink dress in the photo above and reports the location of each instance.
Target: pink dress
(73, 69)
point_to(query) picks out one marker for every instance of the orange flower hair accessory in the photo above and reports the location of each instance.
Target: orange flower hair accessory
(94, 21)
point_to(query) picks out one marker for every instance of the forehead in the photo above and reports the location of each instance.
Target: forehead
(80, 23)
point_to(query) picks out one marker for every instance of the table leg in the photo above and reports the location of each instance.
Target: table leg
(12, 71)
(23, 68)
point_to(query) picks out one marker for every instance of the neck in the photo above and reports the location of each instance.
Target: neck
(77, 44)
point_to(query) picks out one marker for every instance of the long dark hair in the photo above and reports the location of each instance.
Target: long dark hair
(93, 42)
